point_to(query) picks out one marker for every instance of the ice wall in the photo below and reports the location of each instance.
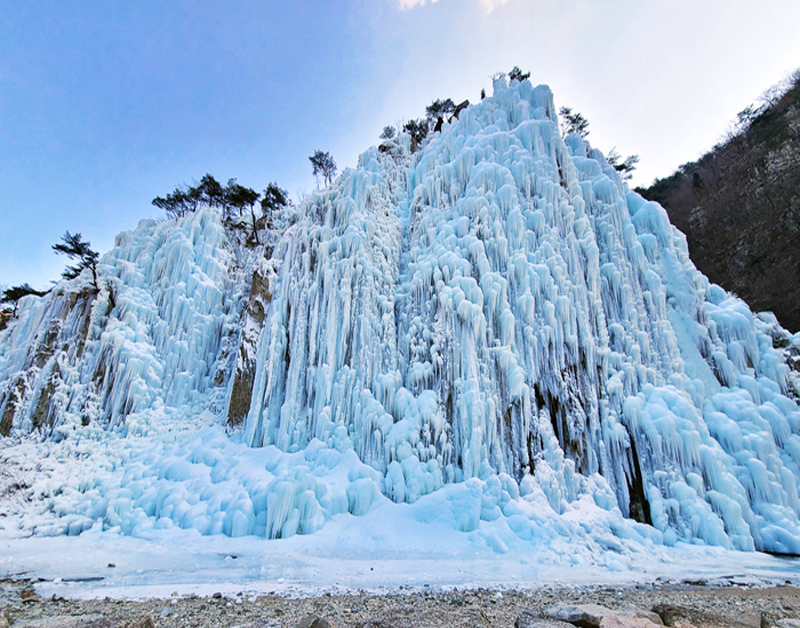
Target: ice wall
(493, 318)
(153, 336)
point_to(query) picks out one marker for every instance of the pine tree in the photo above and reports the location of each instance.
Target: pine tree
(74, 247)
(573, 123)
(15, 293)
(322, 164)
(517, 75)
(240, 197)
(418, 130)
(626, 167)
(273, 199)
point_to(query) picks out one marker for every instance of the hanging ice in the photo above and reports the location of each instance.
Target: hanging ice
(493, 318)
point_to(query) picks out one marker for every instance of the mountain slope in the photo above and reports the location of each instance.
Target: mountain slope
(739, 206)
(492, 329)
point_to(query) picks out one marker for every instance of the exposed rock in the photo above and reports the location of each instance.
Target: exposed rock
(583, 615)
(720, 606)
(427, 618)
(531, 619)
(66, 621)
(245, 371)
(739, 206)
(639, 613)
(619, 621)
(596, 616)
(29, 595)
(680, 616)
(769, 620)
(313, 621)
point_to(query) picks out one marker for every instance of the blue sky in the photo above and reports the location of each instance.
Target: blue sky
(107, 104)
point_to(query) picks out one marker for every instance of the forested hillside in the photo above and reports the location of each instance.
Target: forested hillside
(739, 206)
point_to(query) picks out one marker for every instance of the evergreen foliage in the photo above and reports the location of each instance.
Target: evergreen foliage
(624, 167)
(438, 109)
(573, 123)
(273, 199)
(323, 164)
(177, 203)
(239, 196)
(73, 246)
(15, 293)
(517, 75)
(418, 130)
(209, 192)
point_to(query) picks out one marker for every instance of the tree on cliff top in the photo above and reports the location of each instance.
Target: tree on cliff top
(322, 164)
(573, 123)
(15, 293)
(74, 247)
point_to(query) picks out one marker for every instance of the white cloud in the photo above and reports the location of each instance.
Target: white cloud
(489, 5)
(410, 4)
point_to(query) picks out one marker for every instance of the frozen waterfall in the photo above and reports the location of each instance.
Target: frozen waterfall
(492, 327)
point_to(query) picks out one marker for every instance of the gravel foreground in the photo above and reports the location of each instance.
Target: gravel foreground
(683, 606)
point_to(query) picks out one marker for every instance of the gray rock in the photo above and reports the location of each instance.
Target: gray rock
(66, 621)
(531, 619)
(312, 621)
(29, 595)
(787, 623)
(582, 615)
(638, 612)
(619, 621)
(672, 615)
(427, 618)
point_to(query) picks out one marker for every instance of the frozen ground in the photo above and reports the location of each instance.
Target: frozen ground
(380, 553)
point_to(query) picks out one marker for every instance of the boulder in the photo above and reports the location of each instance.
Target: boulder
(619, 621)
(312, 621)
(532, 619)
(583, 615)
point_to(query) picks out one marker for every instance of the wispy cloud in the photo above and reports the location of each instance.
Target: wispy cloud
(410, 4)
(488, 5)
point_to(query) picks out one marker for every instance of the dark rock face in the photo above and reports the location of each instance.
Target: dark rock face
(739, 206)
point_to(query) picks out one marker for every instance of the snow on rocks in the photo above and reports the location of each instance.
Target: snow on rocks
(490, 335)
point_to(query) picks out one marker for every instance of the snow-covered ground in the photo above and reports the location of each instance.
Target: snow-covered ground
(483, 362)
(381, 552)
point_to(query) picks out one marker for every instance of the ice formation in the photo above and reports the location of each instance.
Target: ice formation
(489, 329)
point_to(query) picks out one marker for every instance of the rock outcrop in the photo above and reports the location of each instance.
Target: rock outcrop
(739, 206)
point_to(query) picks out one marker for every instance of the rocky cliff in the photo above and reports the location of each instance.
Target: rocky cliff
(739, 206)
